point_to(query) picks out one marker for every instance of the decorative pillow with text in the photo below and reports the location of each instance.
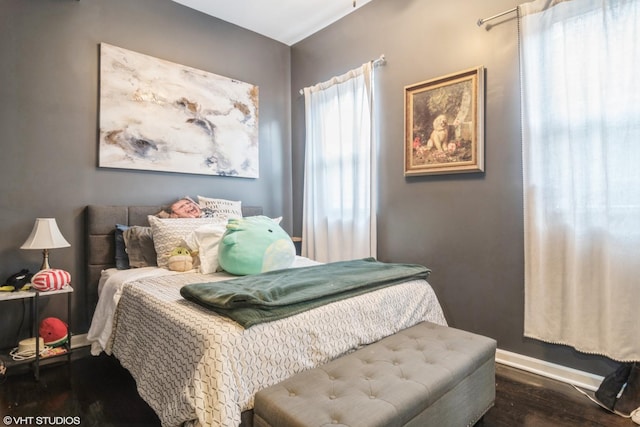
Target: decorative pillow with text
(222, 208)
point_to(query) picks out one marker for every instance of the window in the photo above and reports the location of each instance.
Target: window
(581, 159)
(339, 192)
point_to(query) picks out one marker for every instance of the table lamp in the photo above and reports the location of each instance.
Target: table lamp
(45, 235)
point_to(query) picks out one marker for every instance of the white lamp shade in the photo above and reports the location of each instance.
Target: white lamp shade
(45, 235)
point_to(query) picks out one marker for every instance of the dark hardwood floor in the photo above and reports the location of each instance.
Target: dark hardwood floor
(528, 400)
(97, 391)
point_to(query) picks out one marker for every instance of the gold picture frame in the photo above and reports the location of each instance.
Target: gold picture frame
(444, 124)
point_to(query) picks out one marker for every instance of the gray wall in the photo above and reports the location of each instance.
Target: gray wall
(468, 227)
(49, 52)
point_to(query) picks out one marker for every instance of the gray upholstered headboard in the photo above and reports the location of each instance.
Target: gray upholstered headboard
(100, 231)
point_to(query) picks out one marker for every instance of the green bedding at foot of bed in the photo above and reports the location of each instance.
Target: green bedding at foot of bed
(265, 297)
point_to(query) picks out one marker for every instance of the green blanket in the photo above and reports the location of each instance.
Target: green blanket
(265, 297)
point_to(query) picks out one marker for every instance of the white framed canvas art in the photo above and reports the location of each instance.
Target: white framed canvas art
(162, 116)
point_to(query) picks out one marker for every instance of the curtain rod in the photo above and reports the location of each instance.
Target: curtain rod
(375, 62)
(483, 20)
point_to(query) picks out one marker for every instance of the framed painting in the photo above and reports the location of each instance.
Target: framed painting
(444, 124)
(162, 116)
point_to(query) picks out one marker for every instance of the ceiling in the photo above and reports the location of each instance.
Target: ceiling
(287, 21)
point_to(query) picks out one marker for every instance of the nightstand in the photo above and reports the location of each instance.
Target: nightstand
(34, 297)
(297, 242)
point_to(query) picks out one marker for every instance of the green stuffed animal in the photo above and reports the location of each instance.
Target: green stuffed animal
(181, 259)
(253, 245)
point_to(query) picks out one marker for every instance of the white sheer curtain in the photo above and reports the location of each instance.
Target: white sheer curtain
(580, 63)
(339, 212)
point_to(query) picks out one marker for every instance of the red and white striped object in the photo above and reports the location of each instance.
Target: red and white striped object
(51, 279)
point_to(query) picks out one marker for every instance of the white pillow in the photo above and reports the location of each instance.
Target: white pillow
(169, 233)
(205, 239)
(222, 208)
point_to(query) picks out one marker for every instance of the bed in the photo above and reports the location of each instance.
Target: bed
(196, 367)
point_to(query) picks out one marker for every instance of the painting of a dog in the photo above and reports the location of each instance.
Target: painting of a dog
(440, 134)
(443, 124)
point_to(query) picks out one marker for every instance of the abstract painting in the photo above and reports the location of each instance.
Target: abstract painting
(162, 116)
(444, 124)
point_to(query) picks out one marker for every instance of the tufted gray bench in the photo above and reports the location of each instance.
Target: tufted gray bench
(426, 375)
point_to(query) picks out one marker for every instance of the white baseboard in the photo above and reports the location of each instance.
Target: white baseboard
(79, 340)
(584, 380)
